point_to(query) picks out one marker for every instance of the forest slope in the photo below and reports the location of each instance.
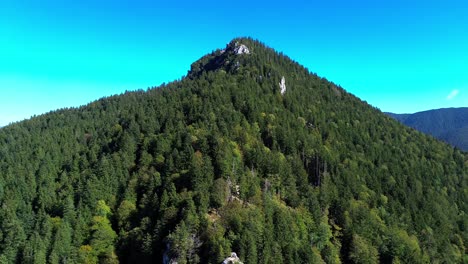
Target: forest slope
(447, 124)
(221, 161)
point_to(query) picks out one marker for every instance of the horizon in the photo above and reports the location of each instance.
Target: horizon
(399, 57)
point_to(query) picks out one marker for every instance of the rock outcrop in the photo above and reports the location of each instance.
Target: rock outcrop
(241, 49)
(166, 258)
(282, 85)
(233, 259)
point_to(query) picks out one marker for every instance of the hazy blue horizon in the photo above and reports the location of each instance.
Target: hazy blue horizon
(400, 57)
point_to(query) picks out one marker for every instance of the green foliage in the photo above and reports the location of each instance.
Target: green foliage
(362, 251)
(221, 162)
(219, 193)
(102, 236)
(447, 124)
(124, 214)
(183, 245)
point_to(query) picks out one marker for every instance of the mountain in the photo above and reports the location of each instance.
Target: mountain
(447, 124)
(248, 153)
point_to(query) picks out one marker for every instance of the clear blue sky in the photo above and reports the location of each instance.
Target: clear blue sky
(400, 56)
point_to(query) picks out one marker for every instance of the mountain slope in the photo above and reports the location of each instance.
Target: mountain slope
(221, 161)
(447, 124)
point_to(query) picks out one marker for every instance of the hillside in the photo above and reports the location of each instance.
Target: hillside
(222, 161)
(447, 124)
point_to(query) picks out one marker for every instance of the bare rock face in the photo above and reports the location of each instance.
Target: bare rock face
(282, 85)
(233, 259)
(241, 49)
(166, 258)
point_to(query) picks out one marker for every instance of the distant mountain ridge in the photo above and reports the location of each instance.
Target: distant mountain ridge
(447, 124)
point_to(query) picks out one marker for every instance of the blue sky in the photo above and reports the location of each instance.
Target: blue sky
(400, 56)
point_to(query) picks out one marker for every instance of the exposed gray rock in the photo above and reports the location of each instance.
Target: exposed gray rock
(166, 258)
(282, 85)
(232, 259)
(241, 49)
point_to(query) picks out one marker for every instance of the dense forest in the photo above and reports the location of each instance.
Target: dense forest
(221, 161)
(447, 124)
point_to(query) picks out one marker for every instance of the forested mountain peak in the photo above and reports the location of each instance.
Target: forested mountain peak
(223, 59)
(221, 161)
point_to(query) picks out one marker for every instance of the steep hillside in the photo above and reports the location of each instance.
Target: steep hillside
(222, 161)
(447, 124)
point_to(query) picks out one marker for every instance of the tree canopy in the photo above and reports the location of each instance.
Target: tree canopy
(219, 162)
